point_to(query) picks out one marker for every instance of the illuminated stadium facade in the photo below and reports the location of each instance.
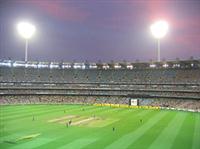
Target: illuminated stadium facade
(171, 81)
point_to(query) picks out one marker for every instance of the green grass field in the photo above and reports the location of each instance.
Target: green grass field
(92, 128)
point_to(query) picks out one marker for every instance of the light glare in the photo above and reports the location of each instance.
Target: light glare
(159, 29)
(26, 30)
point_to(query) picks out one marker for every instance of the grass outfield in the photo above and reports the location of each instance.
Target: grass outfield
(92, 128)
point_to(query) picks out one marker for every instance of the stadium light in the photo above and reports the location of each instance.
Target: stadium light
(159, 29)
(26, 30)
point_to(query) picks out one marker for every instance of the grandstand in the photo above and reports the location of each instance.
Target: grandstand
(167, 84)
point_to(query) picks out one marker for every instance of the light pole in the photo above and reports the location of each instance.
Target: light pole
(158, 50)
(159, 29)
(26, 30)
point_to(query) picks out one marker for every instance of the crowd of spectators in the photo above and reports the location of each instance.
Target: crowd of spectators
(89, 86)
(100, 75)
(176, 103)
(44, 99)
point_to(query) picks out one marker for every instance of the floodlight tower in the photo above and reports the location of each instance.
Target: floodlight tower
(159, 29)
(26, 30)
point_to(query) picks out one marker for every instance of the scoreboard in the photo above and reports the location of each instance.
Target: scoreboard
(133, 102)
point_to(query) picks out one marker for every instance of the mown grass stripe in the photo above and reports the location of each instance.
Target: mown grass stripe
(196, 136)
(31, 143)
(166, 139)
(78, 144)
(30, 109)
(127, 139)
(107, 134)
(37, 113)
(25, 107)
(18, 107)
(125, 125)
(186, 132)
(29, 114)
(13, 108)
(150, 135)
(111, 111)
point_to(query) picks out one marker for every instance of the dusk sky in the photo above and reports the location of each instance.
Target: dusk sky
(105, 30)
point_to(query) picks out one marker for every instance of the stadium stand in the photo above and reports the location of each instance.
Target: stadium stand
(167, 84)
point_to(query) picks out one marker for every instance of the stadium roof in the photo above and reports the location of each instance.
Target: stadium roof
(113, 65)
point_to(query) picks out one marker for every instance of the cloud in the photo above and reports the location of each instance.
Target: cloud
(61, 10)
(186, 32)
